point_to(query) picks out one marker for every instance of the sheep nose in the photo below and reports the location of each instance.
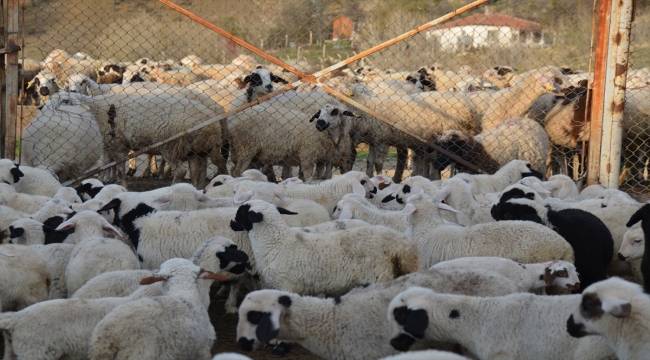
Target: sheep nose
(621, 257)
(44, 91)
(269, 87)
(321, 125)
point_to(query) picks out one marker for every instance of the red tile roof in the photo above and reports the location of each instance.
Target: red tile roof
(494, 20)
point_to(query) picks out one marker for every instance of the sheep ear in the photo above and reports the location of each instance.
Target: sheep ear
(447, 207)
(442, 193)
(284, 211)
(350, 114)
(70, 224)
(541, 188)
(416, 190)
(206, 274)
(551, 185)
(153, 279)
(6, 254)
(162, 199)
(616, 307)
(408, 209)
(16, 173)
(242, 196)
(111, 229)
(278, 194)
(346, 214)
(201, 197)
(277, 79)
(549, 276)
(316, 116)
(358, 189)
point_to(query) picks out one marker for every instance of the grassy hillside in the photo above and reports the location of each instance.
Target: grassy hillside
(130, 29)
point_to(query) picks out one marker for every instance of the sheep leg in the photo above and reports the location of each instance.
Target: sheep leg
(306, 171)
(194, 162)
(402, 159)
(370, 161)
(179, 169)
(286, 172)
(147, 165)
(133, 165)
(327, 172)
(231, 302)
(433, 173)
(219, 161)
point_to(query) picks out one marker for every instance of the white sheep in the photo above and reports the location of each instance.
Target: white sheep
(351, 208)
(43, 85)
(20, 201)
(53, 208)
(150, 327)
(62, 65)
(633, 245)
(530, 277)
(108, 192)
(507, 175)
(354, 325)
(617, 310)
(528, 142)
(88, 188)
(27, 231)
(183, 197)
(458, 194)
(68, 194)
(95, 254)
(562, 187)
(524, 324)
(426, 355)
(27, 179)
(522, 241)
(25, 278)
(56, 256)
(305, 271)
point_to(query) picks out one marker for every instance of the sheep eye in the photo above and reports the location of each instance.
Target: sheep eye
(562, 273)
(363, 182)
(254, 317)
(637, 241)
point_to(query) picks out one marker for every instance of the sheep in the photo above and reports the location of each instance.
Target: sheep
(426, 355)
(29, 68)
(81, 316)
(217, 255)
(633, 245)
(42, 86)
(642, 215)
(562, 187)
(306, 274)
(487, 148)
(385, 187)
(28, 231)
(529, 277)
(126, 123)
(109, 73)
(261, 133)
(308, 212)
(183, 197)
(230, 356)
(590, 239)
(617, 310)
(429, 187)
(68, 194)
(515, 101)
(108, 192)
(458, 194)
(507, 175)
(89, 188)
(56, 256)
(28, 180)
(525, 325)
(95, 254)
(49, 214)
(350, 208)
(412, 85)
(21, 202)
(62, 65)
(520, 241)
(150, 327)
(352, 326)
(328, 193)
(243, 63)
(25, 278)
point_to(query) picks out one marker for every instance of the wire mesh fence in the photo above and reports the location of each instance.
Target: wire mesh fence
(505, 80)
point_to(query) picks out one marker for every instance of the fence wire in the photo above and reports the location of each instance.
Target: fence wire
(503, 81)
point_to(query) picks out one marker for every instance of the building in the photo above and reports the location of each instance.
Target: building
(494, 30)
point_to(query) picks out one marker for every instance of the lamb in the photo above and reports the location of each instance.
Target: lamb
(108, 192)
(65, 138)
(260, 132)
(62, 65)
(56, 256)
(507, 175)
(458, 194)
(426, 355)
(126, 123)
(643, 215)
(95, 254)
(308, 212)
(89, 188)
(385, 187)
(27, 231)
(487, 148)
(562, 187)
(150, 327)
(422, 315)
(349, 208)
(219, 255)
(25, 278)
(617, 310)
(515, 101)
(21, 202)
(81, 316)
(590, 239)
(354, 325)
(242, 63)
(49, 214)
(269, 235)
(183, 197)
(521, 241)
(529, 277)
(633, 245)
(43, 85)
(28, 180)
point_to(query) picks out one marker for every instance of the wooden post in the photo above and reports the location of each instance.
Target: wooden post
(3, 80)
(286, 41)
(11, 99)
(310, 37)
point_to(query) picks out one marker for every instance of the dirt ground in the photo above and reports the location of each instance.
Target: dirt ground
(225, 326)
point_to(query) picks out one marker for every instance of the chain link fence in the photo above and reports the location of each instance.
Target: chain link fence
(505, 80)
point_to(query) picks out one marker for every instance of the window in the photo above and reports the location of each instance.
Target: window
(493, 36)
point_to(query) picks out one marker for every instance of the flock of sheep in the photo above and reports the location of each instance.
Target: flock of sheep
(501, 266)
(97, 111)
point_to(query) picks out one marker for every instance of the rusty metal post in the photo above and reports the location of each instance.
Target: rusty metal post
(11, 102)
(614, 100)
(598, 86)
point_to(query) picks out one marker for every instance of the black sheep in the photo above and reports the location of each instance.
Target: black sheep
(643, 215)
(592, 243)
